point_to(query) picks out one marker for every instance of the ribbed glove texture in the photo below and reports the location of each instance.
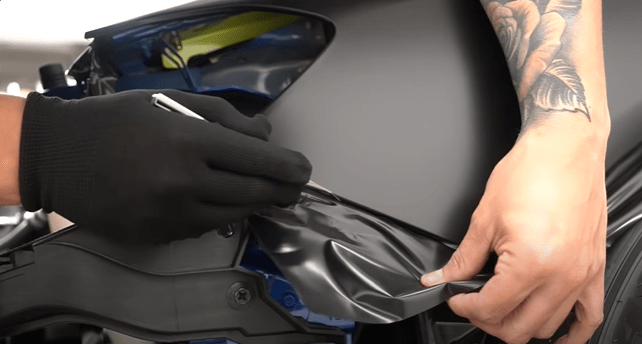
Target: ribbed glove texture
(123, 167)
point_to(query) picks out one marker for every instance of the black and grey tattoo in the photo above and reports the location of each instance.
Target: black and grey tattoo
(532, 33)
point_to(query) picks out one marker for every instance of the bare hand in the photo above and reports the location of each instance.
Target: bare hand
(544, 214)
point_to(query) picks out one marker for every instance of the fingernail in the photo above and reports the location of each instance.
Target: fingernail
(432, 278)
(562, 339)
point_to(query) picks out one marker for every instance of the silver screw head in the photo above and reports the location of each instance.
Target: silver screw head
(242, 296)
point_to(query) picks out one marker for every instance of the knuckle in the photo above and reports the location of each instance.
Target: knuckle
(596, 321)
(545, 333)
(577, 275)
(263, 123)
(223, 106)
(519, 220)
(489, 317)
(457, 264)
(476, 218)
(516, 332)
(516, 338)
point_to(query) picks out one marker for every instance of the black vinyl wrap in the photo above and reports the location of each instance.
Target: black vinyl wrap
(624, 190)
(347, 261)
(451, 98)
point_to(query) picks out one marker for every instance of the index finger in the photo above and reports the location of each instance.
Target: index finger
(232, 151)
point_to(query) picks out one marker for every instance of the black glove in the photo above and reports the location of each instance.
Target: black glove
(119, 165)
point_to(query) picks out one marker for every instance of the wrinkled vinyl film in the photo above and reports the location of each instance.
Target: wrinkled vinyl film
(345, 261)
(624, 190)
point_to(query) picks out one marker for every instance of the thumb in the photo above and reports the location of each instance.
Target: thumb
(465, 263)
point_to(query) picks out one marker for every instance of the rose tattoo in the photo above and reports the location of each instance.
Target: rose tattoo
(530, 32)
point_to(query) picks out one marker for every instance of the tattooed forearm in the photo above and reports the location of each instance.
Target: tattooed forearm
(532, 34)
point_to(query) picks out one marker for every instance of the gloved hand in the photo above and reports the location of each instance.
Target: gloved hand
(121, 166)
